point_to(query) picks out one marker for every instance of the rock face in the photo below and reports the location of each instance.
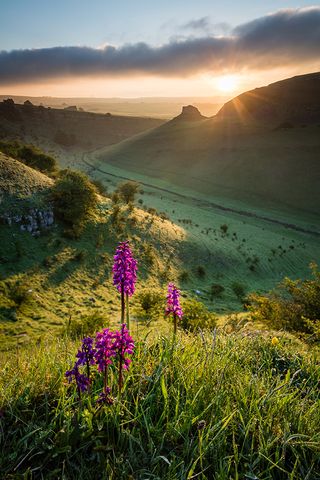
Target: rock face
(33, 221)
(190, 114)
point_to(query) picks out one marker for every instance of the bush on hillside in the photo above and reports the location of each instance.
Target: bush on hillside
(195, 316)
(75, 199)
(151, 304)
(216, 290)
(294, 306)
(127, 191)
(85, 326)
(239, 290)
(31, 156)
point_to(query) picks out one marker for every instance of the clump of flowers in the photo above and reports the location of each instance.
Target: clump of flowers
(124, 276)
(173, 305)
(123, 346)
(109, 350)
(85, 357)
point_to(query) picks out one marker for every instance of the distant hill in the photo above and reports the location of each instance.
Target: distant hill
(292, 101)
(258, 163)
(18, 180)
(67, 129)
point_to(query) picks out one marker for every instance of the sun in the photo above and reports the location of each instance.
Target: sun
(227, 83)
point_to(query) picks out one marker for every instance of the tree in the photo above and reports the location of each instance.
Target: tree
(128, 190)
(75, 199)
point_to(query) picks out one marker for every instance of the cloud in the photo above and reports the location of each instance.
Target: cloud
(285, 38)
(202, 24)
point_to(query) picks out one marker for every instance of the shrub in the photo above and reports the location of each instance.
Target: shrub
(151, 303)
(216, 290)
(74, 198)
(224, 228)
(152, 211)
(184, 276)
(101, 188)
(127, 191)
(30, 155)
(200, 271)
(87, 325)
(195, 316)
(294, 306)
(239, 290)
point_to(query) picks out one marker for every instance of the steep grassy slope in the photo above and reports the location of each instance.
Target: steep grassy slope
(295, 100)
(16, 179)
(239, 161)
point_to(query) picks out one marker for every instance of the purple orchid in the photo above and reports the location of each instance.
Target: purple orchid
(173, 304)
(124, 276)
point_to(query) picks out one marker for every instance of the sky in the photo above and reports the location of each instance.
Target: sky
(138, 48)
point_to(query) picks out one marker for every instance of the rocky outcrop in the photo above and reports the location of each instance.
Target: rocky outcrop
(33, 221)
(189, 114)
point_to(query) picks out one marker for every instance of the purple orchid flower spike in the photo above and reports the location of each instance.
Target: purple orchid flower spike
(124, 276)
(123, 346)
(173, 305)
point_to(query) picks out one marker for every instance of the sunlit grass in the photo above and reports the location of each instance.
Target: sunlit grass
(211, 407)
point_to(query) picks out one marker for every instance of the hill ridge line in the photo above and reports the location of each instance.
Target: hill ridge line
(213, 204)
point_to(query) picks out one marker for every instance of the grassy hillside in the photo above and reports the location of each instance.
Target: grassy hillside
(252, 165)
(49, 278)
(67, 131)
(19, 180)
(293, 101)
(238, 158)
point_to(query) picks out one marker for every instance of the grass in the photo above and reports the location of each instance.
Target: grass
(250, 165)
(210, 407)
(73, 276)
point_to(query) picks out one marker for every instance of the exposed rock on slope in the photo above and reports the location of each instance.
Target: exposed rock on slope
(190, 114)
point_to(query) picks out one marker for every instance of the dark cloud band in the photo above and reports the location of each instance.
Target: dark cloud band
(287, 37)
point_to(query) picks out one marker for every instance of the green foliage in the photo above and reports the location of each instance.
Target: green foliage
(30, 155)
(184, 276)
(127, 191)
(239, 289)
(295, 306)
(74, 198)
(85, 326)
(224, 228)
(151, 303)
(216, 290)
(195, 316)
(201, 271)
(221, 408)
(100, 186)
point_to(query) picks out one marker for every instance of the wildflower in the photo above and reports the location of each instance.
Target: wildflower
(124, 269)
(103, 349)
(103, 353)
(82, 381)
(124, 275)
(105, 397)
(123, 346)
(86, 355)
(275, 341)
(173, 304)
